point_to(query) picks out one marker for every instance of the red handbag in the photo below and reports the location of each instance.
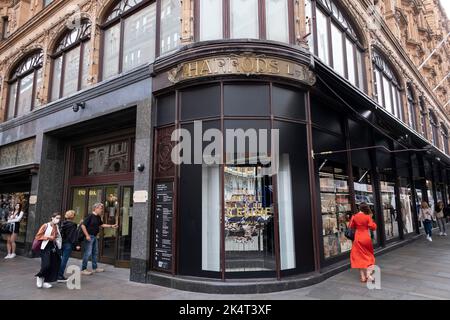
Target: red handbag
(36, 246)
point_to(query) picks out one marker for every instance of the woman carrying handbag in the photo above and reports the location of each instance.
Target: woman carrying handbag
(361, 256)
(50, 242)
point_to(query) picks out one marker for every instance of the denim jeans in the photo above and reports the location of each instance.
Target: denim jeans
(90, 249)
(428, 225)
(66, 251)
(441, 223)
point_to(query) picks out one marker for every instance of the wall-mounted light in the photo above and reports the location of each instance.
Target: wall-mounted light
(141, 167)
(77, 106)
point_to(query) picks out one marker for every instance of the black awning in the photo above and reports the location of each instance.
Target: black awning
(363, 108)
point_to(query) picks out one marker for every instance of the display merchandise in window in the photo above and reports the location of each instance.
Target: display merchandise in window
(336, 209)
(389, 209)
(7, 204)
(249, 223)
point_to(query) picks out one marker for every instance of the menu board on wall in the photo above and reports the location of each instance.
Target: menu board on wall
(163, 225)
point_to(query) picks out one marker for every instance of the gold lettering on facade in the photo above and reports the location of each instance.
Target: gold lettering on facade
(245, 64)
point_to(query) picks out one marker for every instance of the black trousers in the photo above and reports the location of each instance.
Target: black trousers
(50, 263)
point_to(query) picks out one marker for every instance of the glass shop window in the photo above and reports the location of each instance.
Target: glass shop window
(406, 206)
(249, 221)
(8, 202)
(364, 192)
(335, 207)
(108, 158)
(389, 208)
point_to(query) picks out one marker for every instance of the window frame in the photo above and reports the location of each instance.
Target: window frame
(16, 80)
(387, 72)
(412, 105)
(120, 19)
(347, 34)
(262, 21)
(434, 128)
(81, 42)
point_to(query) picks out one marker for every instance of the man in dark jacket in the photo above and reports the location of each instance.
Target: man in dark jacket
(70, 238)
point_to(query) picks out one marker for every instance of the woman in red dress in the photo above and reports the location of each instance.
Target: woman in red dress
(361, 256)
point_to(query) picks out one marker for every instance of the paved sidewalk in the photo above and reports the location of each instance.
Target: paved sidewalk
(420, 270)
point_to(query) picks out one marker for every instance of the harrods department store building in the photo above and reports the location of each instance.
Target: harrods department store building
(91, 92)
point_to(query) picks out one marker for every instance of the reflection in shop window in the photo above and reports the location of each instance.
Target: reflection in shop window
(109, 158)
(335, 207)
(389, 209)
(249, 224)
(211, 20)
(406, 206)
(364, 193)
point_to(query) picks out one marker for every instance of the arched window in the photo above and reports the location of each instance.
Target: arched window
(71, 61)
(423, 117)
(24, 81)
(411, 107)
(434, 129)
(386, 86)
(335, 41)
(444, 136)
(129, 36)
(254, 19)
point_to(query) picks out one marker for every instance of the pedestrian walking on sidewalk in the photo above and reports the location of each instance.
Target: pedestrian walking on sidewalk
(426, 215)
(361, 256)
(91, 227)
(14, 219)
(69, 233)
(50, 252)
(440, 217)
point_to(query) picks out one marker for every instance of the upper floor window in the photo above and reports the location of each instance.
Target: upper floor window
(24, 83)
(239, 19)
(444, 136)
(129, 36)
(47, 2)
(386, 86)
(434, 129)
(335, 41)
(170, 25)
(5, 27)
(411, 107)
(423, 117)
(71, 61)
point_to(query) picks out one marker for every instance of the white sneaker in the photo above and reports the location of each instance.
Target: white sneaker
(8, 256)
(429, 239)
(39, 282)
(47, 285)
(445, 234)
(12, 255)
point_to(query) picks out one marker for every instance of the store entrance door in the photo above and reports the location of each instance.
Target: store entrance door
(114, 244)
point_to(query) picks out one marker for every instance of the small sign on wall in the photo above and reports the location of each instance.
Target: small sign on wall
(33, 199)
(140, 196)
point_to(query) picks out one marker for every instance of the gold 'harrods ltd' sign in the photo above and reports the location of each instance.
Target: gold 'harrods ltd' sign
(244, 64)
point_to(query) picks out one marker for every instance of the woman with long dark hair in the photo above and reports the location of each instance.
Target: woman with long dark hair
(14, 218)
(50, 252)
(361, 256)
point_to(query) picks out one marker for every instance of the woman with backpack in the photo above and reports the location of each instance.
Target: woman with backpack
(70, 241)
(50, 243)
(361, 256)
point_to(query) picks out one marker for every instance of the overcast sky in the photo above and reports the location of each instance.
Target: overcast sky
(446, 5)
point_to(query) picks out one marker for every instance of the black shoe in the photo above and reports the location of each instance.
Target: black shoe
(62, 279)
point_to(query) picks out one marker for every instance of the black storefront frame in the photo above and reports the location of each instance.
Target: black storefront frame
(222, 118)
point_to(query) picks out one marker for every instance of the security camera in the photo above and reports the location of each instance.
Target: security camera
(77, 106)
(140, 167)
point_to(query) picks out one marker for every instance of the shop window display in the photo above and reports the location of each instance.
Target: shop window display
(389, 209)
(430, 194)
(406, 207)
(335, 207)
(7, 203)
(364, 192)
(249, 224)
